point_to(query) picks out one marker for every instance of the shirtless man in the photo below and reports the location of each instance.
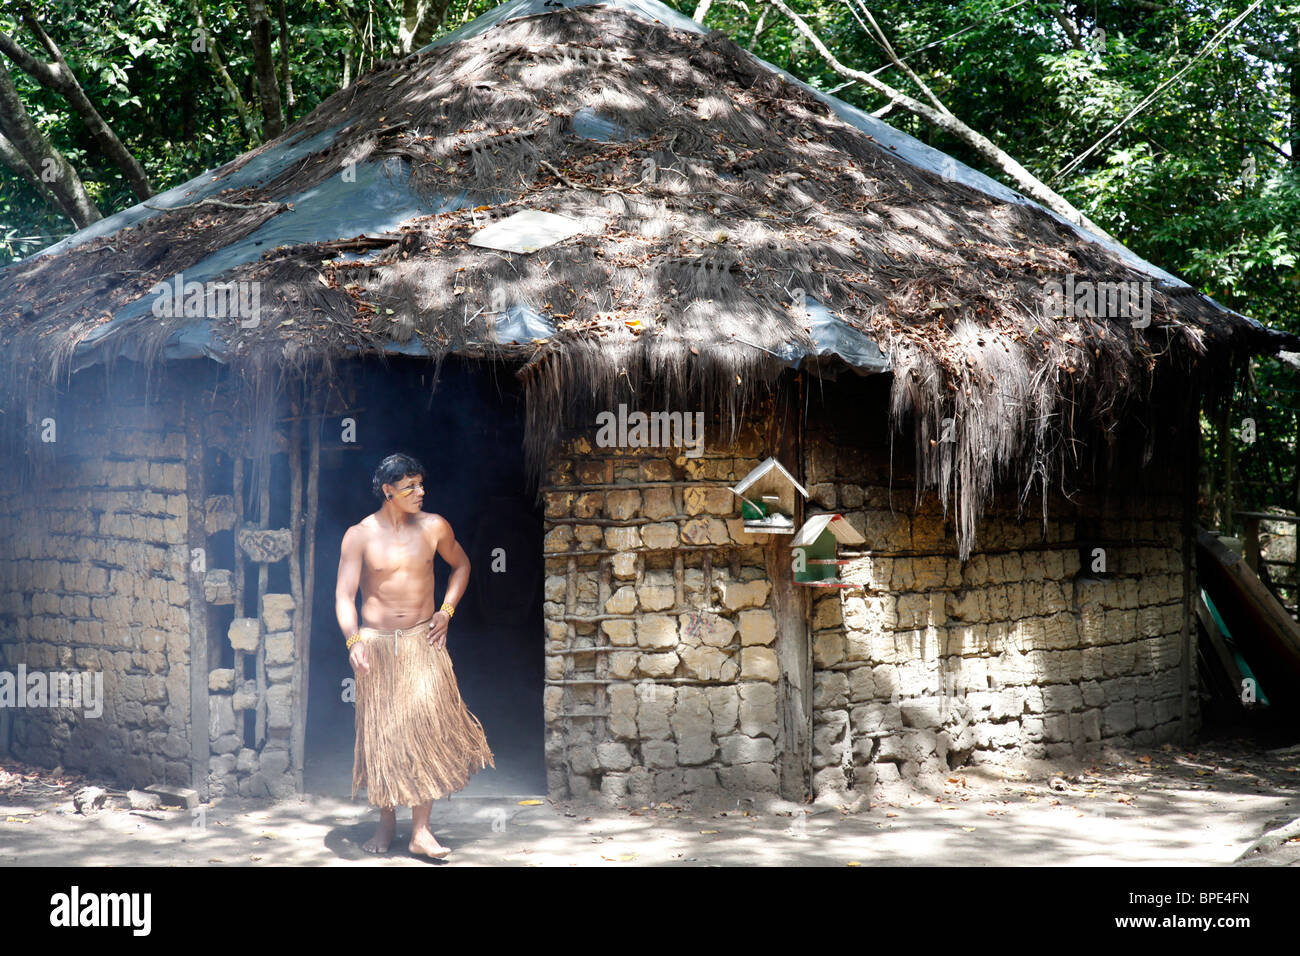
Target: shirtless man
(390, 554)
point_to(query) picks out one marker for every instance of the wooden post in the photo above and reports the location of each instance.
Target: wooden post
(309, 568)
(196, 538)
(789, 606)
(237, 450)
(1250, 546)
(1225, 456)
(263, 578)
(296, 728)
(1191, 469)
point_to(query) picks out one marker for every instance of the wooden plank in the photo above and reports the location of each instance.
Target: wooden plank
(1216, 641)
(1261, 627)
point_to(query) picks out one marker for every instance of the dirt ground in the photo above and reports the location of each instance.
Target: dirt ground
(1165, 807)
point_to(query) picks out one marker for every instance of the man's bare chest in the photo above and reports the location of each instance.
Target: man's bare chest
(410, 554)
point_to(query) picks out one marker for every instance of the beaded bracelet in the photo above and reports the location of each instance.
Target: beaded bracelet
(448, 609)
(353, 639)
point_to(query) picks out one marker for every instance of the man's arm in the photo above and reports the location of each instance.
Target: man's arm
(345, 591)
(449, 550)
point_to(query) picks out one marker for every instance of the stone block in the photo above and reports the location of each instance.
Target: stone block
(658, 665)
(692, 725)
(656, 598)
(708, 663)
(1119, 719)
(620, 633)
(661, 536)
(244, 633)
(756, 627)
(757, 713)
(622, 601)
(709, 629)
(217, 588)
(736, 595)
(748, 778)
(613, 755)
(220, 680)
(659, 754)
(738, 749)
(656, 631)
(654, 706)
(759, 663)
(280, 648)
(724, 704)
(622, 505)
(221, 716)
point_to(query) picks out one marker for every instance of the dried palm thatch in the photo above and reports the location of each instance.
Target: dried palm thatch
(717, 191)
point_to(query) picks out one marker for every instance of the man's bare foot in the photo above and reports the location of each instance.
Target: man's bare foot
(384, 835)
(427, 844)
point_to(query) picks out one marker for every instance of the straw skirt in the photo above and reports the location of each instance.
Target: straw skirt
(416, 739)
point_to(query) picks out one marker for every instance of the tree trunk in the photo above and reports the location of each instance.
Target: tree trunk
(219, 67)
(58, 77)
(264, 63)
(40, 156)
(286, 76)
(701, 10)
(419, 19)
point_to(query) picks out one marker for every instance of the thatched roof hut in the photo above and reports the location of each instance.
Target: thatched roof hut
(623, 209)
(706, 187)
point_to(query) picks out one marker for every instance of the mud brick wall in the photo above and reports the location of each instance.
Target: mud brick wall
(93, 578)
(660, 668)
(929, 664)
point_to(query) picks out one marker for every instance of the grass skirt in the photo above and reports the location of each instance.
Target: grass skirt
(416, 739)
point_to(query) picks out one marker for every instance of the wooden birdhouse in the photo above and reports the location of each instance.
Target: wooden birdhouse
(815, 562)
(767, 499)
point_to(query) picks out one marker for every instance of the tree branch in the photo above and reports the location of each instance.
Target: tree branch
(1024, 180)
(30, 144)
(59, 78)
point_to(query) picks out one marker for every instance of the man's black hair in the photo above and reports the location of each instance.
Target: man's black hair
(392, 470)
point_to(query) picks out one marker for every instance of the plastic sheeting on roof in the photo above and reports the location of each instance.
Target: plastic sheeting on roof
(259, 169)
(379, 201)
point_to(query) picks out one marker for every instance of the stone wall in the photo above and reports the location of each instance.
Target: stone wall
(662, 676)
(93, 572)
(928, 664)
(660, 668)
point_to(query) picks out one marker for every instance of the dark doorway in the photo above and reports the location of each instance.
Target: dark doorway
(468, 434)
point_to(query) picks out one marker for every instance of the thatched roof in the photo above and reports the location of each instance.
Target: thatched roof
(356, 225)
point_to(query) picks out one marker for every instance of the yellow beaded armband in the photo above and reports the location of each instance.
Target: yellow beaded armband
(353, 639)
(448, 609)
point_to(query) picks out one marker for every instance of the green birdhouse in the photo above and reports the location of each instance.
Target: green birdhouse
(814, 557)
